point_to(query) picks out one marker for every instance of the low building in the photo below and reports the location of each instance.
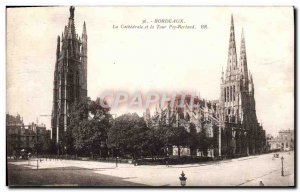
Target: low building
(21, 137)
(284, 141)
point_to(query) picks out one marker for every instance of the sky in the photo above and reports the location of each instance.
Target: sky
(133, 60)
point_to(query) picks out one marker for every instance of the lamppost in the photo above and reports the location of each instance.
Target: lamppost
(117, 161)
(282, 173)
(182, 179)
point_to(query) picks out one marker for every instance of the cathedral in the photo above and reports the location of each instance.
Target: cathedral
(70, 76)
(241, 134)
(231, 120)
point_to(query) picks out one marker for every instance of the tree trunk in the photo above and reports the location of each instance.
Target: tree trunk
(178, 151)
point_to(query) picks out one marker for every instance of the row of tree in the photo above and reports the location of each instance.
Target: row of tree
(93, 131)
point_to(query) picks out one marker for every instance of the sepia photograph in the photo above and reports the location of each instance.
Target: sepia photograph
(150, 96)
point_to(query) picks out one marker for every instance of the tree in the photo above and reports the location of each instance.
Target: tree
(175, 135)
(78, 115)
(205, 142)
(128, 135)
(193, 139)
(88, 127)
(155, 142)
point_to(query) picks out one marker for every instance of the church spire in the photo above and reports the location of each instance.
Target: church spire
(72, 9)
(243, 60)
(84, 29)
(84, 50)
(58, 48)
(232, 57)
(71, 25)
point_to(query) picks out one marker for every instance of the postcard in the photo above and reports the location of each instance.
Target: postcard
(150, 96)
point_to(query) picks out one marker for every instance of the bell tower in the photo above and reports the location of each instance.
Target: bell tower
(70, 76)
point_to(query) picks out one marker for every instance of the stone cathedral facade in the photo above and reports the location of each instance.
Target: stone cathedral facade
(241, 132)
(231, 120)
(70, 76)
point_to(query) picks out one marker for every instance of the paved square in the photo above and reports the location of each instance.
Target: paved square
(246, 171)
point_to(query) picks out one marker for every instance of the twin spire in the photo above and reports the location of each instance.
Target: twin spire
(233, 67)
(232, 58)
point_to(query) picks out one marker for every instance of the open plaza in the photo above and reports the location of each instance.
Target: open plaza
(246, 171)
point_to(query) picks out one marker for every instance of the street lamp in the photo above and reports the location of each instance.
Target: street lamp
(282, 173)
(117, 161)
(182, 179)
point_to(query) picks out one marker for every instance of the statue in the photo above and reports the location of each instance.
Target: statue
(72, 12)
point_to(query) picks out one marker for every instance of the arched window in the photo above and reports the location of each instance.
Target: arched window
(77, 84)
(234, 93)
(225, 93)
(71, 87)
(230, 99)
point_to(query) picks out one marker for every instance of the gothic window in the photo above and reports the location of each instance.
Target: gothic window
(227, 90)
(233, 119)
(77, 84)
(230, 96)
(225, 94)
(234, 93)
(70, 79)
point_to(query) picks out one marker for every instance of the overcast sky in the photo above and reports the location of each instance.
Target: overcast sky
(143, 60)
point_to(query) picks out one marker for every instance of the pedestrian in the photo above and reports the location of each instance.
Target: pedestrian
(167, 161)
(261, 184)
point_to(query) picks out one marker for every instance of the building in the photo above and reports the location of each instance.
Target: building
(284, 141)
(231, 121)
(21, 137)
(70, 76)
(241, 134)
(14, 129)
(41, 133)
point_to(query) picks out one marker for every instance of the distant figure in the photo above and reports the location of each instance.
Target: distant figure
(167, 161)
(117, 161)
(261, 184)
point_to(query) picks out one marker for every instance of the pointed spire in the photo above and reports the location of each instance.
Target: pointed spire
(72, 9)
(243, 46)
(58, 48)
(232, 57)
(71, 25)
(222, 75)
(84, 28)
(242, 33)
(243, 60)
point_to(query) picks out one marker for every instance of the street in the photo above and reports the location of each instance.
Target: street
(246, 171)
